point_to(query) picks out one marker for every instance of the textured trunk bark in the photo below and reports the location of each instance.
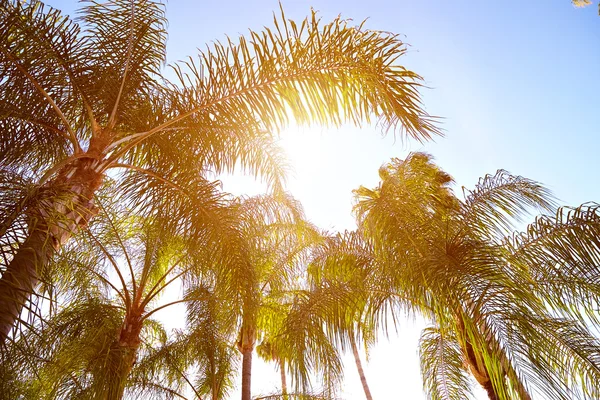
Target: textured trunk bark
(127, 345)
(361, 372)
(21, 277)
(246, 374)
(117, 391)
(489, 389)
(68, 206)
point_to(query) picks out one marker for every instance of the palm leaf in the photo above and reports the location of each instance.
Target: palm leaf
(442, 367)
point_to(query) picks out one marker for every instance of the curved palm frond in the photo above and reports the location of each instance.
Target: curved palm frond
(126, 42)
(501, 200)
(442, 366)
(562, 254)
(37, 113)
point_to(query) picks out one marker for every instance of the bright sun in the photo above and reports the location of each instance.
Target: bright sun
(325, 165)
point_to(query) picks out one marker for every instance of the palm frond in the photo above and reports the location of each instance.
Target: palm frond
(501, 200)
(42, 64)
(304, 341)
(442, 366)
(558, 357)
(306, 72)
(126, 45)
(562, 254)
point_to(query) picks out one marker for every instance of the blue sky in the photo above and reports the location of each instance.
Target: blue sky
(516, 83)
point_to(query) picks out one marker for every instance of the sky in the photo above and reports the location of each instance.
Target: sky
(515, 83)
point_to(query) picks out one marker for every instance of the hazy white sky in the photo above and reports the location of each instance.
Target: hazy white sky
(517, 85)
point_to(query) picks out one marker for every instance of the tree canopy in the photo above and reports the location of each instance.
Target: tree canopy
(111, 214)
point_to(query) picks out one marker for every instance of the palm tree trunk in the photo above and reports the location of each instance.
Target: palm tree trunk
(489, 389)
(283, 380)
(361, 372)
(51, 224)
(116, 389)
(495, 347)
(246, 374)
(127, 349)
(479, 371)
(21, 277)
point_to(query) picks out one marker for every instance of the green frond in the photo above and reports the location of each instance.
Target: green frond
(562, 254)
(185, 203)
(76, 351)
(501, 200)
(344, 257)
(213, 148)
(42, 64)
(408, 205)
(442, 366)
(213, 323)
(557, 356)
(162, 371)
(17, 194)
(125, 42)
(308, 72)
(305, 343)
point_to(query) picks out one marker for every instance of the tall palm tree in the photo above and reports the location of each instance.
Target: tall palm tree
(81, 98)
(450, 259)
(326, 315)
(265, 244)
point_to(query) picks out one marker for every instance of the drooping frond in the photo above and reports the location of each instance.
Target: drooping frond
(210, 342)
(308, 72)
(209, 146)
(442, 366)
(74, 353)
(313, 70)
(185, 202)
(562, 254)
(17, 193)
(557, 357)
(400, 210)
(501, 200)
(345, 257)
(305, 338)
(162, 370)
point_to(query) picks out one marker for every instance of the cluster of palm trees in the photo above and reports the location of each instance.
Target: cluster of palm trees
(110, 216)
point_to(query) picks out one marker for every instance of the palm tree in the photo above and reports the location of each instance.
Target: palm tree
(81, 98)
(269, 352)
(264, 246)
(102, 340)
(344, 263)
(210, 342)
(449, 259)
